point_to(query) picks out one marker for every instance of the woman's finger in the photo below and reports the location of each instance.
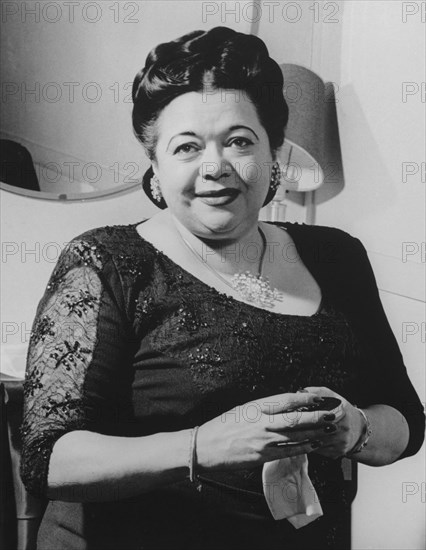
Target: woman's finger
(283, 402)
(322, 391)
(281, 450)
(296, 420)
(322, 434)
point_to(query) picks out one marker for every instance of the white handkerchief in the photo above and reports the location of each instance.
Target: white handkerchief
(289, 491)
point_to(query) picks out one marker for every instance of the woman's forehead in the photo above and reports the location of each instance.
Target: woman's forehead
(205, 113)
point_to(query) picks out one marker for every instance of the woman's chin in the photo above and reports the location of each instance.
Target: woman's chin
(222, 222)
(208, 221)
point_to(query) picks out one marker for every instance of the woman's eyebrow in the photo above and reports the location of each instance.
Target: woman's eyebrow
(187, 133)
(238, 126)
(230, 129)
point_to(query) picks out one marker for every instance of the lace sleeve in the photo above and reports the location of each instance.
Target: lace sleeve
(64, 335)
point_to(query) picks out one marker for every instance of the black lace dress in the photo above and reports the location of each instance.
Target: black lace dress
(125, 342)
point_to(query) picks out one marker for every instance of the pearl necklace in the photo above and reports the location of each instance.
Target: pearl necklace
(251, 288)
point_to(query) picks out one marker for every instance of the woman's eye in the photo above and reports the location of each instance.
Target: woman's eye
(241, 142)
(185, 148)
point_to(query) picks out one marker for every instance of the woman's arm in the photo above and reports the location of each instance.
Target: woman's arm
(77, 363)
(87, 466)
(389, 437)
(382, 386)
(385, 389)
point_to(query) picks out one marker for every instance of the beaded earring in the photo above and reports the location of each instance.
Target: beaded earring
(275, 177)
(155, 188)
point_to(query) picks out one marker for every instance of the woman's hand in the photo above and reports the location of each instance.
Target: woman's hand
(269, 428)
(345, 430)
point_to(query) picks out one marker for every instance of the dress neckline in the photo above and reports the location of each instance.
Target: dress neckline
(223, 295)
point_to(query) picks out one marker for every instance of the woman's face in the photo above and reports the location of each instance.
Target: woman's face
(214, 162)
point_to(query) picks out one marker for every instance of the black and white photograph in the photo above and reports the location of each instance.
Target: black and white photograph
(213, 275)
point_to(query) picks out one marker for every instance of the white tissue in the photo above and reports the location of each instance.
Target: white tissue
(289, 491)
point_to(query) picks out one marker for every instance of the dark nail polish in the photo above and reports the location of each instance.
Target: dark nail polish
(330, 429)
(315, 444)
(329, 417)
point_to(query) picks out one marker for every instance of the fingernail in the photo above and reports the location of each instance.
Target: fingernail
(315, 444)
(330, 429)
(302, 390)
(329, 417)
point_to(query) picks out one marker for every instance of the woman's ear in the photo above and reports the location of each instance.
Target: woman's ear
(155, 169)
(154, 166)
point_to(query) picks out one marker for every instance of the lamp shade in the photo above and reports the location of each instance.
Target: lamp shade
(302, 154)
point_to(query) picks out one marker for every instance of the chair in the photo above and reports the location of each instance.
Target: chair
(20, 512)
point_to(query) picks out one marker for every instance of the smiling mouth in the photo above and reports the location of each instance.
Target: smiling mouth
(220, 193)
(219, 198)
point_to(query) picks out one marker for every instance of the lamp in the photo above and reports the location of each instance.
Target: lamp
(301, 157)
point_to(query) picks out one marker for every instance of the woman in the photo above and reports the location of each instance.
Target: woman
(167, 357)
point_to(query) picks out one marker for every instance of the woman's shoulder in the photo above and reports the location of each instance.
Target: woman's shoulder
(317, 231)
(104, 246)
(111, 235)
(116, 250)
(323, 236)
(112, 240)
(327, 248)
(337, 258)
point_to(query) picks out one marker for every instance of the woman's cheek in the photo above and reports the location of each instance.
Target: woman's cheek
(253, 173)
(179, 178)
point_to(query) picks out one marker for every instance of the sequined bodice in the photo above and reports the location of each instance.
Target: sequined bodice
(233, 350)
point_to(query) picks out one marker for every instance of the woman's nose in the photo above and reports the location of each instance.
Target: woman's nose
(213, 164)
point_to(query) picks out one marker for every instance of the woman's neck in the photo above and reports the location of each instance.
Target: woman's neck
(227, 255)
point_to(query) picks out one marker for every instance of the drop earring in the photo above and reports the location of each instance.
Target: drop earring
(155, 188)
(275, 177)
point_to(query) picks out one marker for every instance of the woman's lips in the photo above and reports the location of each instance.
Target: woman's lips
(223, 196)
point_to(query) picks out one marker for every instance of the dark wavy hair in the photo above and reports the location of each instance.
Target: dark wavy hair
(220, 58)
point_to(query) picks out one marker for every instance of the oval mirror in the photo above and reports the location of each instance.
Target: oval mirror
(67, 71)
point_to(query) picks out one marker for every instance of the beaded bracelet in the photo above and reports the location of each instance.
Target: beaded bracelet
(192, 462)
(365, 436)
